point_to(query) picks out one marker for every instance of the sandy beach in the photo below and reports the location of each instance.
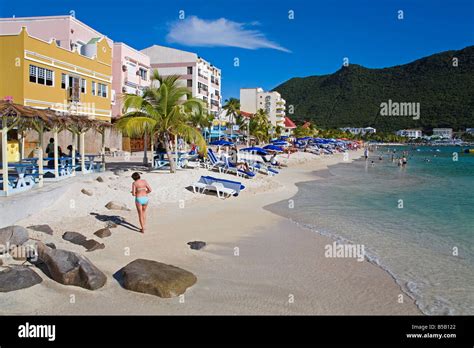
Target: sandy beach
(255, 262)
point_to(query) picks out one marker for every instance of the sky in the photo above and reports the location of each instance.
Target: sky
(264, 43)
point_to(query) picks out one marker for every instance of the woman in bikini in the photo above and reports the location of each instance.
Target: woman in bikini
(140, 189)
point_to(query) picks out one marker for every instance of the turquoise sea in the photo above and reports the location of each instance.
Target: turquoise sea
(416, 222)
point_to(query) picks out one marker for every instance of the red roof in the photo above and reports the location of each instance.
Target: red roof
(246, 114)
(289, 123)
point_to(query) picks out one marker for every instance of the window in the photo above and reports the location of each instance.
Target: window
(49, 77)
(190, 83)
(41, 76)
(33, 73)
(190, 70)
(202, 86)
(142, 73)
(93, 88)
(102, 90)
(83, 85)
(64, 81)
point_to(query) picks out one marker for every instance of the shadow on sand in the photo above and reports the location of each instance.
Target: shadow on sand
(116, 220)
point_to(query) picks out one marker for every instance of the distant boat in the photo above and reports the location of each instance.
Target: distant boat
(469, 151)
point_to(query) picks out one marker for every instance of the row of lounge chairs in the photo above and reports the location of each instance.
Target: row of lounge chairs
(227, 188)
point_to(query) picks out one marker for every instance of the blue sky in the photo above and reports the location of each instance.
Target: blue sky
(272, 48)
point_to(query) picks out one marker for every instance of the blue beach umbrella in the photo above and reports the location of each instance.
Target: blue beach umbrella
(273, 148)
(254, 149)
(280, 143)
(221, 143)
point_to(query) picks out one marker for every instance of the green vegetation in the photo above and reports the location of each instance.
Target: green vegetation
(260, 127)
(164, 112)
(351, 97)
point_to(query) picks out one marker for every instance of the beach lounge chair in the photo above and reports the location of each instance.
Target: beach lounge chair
(214, 162)
(263, 168)
(220, 189)
(232, 168)
(226, 187)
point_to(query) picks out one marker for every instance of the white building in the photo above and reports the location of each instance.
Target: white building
(253, 99)
(470, 130)
(444, 133)
(200, 76)
(361, 131)
(410, 133)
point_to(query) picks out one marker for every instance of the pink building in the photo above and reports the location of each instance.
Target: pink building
(131, 72)
(68, 32)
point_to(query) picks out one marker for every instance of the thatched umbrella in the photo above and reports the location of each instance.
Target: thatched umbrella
(22, 117)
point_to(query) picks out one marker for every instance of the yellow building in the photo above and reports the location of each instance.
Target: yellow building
(42, 74)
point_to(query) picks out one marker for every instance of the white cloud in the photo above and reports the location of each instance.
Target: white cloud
(194, 31)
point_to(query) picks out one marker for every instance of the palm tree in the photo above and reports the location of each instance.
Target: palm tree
(165, 110)
(260, 126)
(232, 108)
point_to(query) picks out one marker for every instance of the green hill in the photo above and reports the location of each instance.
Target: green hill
(352, 95)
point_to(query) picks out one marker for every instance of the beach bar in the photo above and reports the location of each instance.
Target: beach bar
(26, 173)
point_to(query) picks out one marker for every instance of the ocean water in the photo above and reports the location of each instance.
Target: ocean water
(416, 222)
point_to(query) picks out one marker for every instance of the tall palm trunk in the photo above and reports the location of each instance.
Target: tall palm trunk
(168, 153)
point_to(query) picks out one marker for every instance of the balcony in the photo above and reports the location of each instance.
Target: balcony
(203, 91)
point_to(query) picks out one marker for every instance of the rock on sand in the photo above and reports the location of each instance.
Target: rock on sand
(70, 268)
(155, 278)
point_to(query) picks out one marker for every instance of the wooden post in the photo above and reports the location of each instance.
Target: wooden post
(22, 146)
(103, 149)
(152, 143)
(73, 154)
(56, 166)
(145, 149)
(248, 132)
(4, 156)
(82, 149)
(176, 150)
(40, 157)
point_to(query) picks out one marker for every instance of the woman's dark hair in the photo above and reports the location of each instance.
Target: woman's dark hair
(135, 176)
(51, 140)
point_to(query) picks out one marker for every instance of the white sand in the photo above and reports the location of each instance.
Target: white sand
(280, 268)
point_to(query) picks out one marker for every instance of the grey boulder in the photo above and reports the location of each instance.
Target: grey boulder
(116, 206)
(12, 235)
(196, 245)
(18, 277)
(42, 228)
(79, 239)
(87, 192)
(155, 278)
(70, 268)
(103, 233)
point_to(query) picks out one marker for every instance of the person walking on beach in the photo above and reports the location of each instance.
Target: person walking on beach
(140, 189)
(366, 153)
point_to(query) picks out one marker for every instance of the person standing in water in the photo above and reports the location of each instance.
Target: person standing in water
(140, 189)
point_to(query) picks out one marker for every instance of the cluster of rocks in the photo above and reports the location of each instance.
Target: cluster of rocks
(79, 239)
(71, 268)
